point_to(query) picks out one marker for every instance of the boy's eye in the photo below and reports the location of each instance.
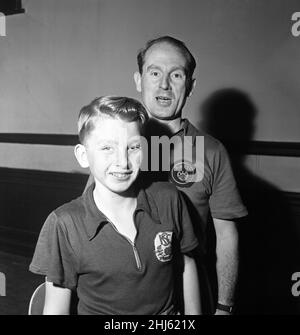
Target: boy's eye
(106, 148)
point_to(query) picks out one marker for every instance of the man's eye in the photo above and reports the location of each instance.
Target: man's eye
(177, 75)
(154, 73)
(134, 147)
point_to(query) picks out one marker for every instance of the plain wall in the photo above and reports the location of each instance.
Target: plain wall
(60, 54)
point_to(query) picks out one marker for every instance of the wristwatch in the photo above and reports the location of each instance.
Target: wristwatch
(225, 308)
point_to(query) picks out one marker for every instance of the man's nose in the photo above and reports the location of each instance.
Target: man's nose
(165, 83)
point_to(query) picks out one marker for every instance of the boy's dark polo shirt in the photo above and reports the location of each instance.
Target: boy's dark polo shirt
(79, 249)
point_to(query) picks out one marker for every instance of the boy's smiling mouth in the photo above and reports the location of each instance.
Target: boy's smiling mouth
(121, 175)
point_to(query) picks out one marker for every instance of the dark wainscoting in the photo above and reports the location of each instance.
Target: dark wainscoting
(27, 197)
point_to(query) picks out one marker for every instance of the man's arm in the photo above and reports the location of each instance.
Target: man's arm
(191, 291)
(57, 300)
(227, 261)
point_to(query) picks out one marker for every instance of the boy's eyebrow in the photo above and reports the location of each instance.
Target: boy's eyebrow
(104, 140)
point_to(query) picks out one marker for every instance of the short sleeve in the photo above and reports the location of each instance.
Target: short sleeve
(225, 201)
(188, 239)
(54, 256)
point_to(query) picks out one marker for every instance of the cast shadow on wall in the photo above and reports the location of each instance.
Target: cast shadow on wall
(269, 245)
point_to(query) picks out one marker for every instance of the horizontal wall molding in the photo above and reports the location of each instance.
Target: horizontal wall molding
(265, 148)
(48, 139)
(13, 11)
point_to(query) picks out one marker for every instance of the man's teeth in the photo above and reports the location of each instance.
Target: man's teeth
(163, 98)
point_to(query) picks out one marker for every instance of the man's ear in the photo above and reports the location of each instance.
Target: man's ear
(81, 156)
(191, 87)
(138, 79)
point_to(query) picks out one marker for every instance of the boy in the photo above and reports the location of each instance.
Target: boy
(116, 244)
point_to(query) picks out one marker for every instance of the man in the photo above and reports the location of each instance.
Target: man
(165, 80)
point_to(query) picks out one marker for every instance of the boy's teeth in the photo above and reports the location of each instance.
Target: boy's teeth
(119, 174)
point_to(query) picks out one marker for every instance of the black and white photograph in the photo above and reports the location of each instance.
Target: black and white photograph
(150, 160)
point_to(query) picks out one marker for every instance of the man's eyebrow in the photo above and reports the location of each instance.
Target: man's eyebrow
(135, 140)
(175, 68)
(153, 67)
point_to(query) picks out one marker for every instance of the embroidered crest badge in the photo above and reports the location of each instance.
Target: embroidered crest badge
(163, 246)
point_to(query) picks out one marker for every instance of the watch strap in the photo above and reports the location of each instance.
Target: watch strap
(225, 308)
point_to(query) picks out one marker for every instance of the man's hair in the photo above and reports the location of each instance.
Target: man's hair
(122, 108)
(190, 60)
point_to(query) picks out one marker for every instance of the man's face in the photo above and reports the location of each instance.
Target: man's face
(163, 83)
(113, 153)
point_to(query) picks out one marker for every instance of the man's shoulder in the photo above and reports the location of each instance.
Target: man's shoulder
(162, 188)
(212, 146)
(210, 141)
(162, 192)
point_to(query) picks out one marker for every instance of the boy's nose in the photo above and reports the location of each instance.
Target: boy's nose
(122, 159)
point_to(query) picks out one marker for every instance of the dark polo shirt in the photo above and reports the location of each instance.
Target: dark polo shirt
(202, 173)
(78, 248)
(217, 190)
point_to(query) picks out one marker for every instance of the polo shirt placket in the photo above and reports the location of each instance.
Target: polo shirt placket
(132, 244)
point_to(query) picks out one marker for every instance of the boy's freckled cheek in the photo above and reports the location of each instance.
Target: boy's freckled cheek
(138, 159)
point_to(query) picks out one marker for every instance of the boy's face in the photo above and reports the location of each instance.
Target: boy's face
(113, 153)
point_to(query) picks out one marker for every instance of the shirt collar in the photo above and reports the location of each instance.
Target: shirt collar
(96, 220)
(186, 129)
(183, 128)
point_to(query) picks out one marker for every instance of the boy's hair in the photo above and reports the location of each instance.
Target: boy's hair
(190, 60)
(123, 108)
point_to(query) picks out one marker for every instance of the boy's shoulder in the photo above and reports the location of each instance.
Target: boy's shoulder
(70, 211)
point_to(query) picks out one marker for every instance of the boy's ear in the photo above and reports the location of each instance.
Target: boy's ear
(81, 156)
(137, 79)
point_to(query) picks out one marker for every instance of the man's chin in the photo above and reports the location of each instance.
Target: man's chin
(163, 116)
